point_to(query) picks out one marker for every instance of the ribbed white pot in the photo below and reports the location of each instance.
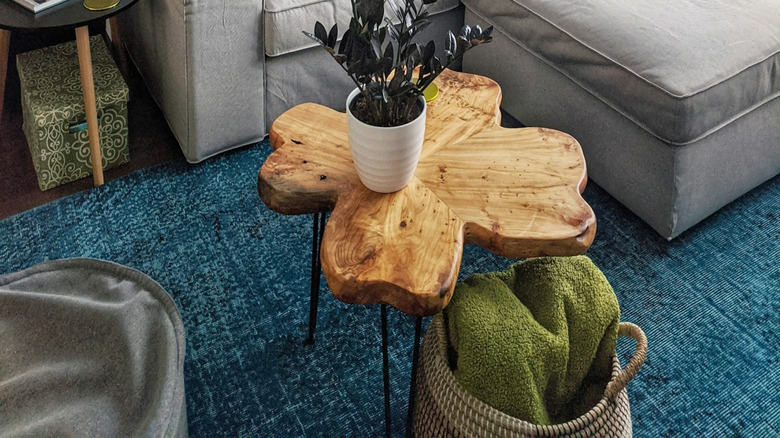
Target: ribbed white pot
(385, 158)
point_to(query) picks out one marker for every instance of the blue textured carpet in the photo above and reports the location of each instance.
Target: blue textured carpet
(709, 302)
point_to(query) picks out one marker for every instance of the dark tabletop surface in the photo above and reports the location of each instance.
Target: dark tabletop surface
(70, 13)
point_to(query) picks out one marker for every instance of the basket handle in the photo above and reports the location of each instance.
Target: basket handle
(629, 372)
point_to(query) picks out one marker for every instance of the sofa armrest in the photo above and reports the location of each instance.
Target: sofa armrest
(202, 61)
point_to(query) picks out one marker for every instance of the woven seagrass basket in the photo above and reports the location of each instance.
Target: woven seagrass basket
(444, 409)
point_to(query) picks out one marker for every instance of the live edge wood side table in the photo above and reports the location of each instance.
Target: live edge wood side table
(69, 14)
(516, 192)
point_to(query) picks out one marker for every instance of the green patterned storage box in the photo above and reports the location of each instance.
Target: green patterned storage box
(53, 111)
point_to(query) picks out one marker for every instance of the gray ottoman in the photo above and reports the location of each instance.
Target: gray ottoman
(89, 348)
(675, 103)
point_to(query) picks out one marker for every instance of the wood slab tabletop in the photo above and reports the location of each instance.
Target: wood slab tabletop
(516, 192)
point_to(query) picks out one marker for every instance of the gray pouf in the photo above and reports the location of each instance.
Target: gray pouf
(89, 348)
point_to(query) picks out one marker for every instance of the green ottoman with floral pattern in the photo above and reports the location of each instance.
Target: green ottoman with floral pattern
(54, 117)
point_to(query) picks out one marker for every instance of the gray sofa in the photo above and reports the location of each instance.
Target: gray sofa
(222, 72)
(674, 103)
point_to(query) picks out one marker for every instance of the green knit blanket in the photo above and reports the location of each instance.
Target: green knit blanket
(535, 341)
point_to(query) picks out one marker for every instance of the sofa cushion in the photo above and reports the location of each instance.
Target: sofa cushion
(660, 63)
(285, 21)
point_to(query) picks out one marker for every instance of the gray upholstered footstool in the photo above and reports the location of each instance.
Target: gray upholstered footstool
(675, 103)
(89, 348)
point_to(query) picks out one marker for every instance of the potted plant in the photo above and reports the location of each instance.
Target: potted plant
(386, 111)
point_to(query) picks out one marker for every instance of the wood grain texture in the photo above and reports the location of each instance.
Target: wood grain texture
(88, 85)
(515, 192)
(312, 164)
(391, 244)
(466, 105)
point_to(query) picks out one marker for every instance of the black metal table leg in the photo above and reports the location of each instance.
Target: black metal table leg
(318, 227)
(412, 386)
(386, 371)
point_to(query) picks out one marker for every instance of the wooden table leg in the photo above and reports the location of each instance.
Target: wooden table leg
(87, 83)
(5, 41)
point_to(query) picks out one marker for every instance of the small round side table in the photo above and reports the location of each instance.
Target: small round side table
(69, 14)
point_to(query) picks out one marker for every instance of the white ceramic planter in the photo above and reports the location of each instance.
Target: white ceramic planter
(385, 158)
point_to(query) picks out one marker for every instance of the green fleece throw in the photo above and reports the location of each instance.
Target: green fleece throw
(535, 341)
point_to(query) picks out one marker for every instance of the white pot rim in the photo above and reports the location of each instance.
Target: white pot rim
(356, 91)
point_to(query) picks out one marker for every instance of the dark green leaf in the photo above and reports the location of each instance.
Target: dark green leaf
(374, 90)
(437, 67)
(388, 58)
(428, 52)
(361, 11)
(396, 82)
(409, 70)
(375, 12)
(404, 39)
(482, 37)
(377, 46)
(354, 25)
(419, 26)
(333, 35)
(450, 57)
(346, 42)
(320, 33)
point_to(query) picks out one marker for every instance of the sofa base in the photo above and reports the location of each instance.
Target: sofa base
(670, 187)
(203, 68)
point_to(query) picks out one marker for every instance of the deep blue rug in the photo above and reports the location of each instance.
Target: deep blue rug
(709, 302)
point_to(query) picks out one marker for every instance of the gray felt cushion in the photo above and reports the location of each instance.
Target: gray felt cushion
(89, 348)
(679, 69)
